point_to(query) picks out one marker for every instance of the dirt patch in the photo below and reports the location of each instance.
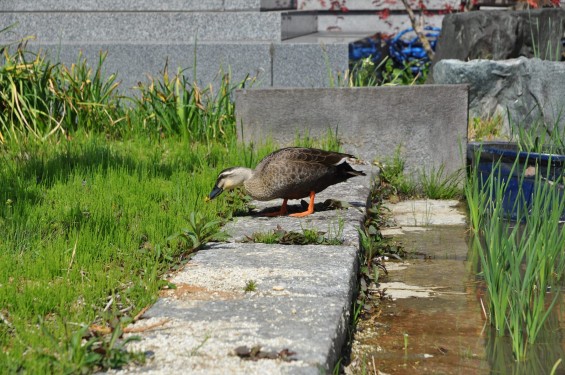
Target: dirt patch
(189, 292)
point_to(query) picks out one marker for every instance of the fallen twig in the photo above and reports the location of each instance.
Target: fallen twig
(103, 330)
(147, 327)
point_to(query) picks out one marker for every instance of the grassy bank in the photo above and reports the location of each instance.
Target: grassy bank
(101, 196)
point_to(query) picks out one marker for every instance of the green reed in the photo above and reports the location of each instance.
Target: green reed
(521, 262)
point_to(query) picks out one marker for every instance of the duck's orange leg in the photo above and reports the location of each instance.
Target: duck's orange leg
(281, 212)
(310, 209)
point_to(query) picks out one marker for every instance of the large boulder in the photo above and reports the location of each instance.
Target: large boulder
(500, 35)
(522, 90)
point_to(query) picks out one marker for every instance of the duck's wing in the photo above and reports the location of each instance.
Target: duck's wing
(303, 155)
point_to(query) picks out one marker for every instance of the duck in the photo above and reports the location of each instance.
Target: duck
(289, 173)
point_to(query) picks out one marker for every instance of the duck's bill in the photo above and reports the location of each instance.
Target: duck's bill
(215, 192)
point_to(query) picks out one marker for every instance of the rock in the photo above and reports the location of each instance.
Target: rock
(527, 88)
(500, 35)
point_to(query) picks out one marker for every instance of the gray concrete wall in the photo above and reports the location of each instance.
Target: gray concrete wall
(145, 27)
(142, 37)
(428, 122)
(282, 65)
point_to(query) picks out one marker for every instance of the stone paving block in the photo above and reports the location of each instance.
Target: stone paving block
(306, 65)
(277, 4)
(122, 5)
(371, 22)
(295, 307)
(238, 5)
(427, 122)
(295, 24)
(143, 27)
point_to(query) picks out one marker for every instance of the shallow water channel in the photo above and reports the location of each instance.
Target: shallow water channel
(432, 321)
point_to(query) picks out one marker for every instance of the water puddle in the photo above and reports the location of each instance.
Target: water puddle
(433, 322)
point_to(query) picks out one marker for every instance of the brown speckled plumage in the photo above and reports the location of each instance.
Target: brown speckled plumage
(289, 173)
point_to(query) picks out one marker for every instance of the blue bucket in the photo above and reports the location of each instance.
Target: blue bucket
(499, 158)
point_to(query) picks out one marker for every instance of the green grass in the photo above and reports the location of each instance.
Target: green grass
(364, 73)
(438, 184)
(250, 286)
(307, 237)
(485, 129)
(88, 221)
(393, 177)
(433, 183)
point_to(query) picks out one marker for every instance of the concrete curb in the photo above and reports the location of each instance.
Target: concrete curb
(301, 305)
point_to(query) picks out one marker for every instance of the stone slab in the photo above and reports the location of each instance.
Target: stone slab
(238, 5)
(142, 27)
(423, 213)
(371, 22)
(294, 307)
(427, 122)
(327, 37)
(374, 5)
(285, 65)
(241, 58)
(277, 4)
(295, 24)
(307, 64)
(126, 5)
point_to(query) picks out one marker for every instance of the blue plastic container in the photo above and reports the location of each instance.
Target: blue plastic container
(500, 157)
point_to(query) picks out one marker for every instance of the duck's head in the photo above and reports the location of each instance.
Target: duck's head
(229, 179)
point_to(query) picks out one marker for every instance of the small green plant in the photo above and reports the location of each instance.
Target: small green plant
(307, 237)
(194, 351)
(392, 174)
(373, 248)
(250, 286)
(42, 99)
(437, 184)
(393, 76)
(539, 136)
(81, 354)
(200, 230)
(486, 129)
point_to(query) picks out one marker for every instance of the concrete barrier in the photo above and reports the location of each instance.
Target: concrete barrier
(428, 122)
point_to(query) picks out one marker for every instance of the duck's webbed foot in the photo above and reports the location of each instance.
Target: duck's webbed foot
(310, 209)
